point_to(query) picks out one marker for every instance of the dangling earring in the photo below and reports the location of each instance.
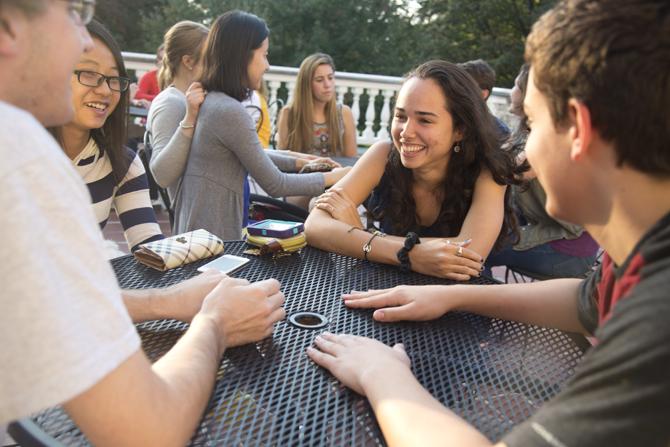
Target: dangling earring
(457, 148)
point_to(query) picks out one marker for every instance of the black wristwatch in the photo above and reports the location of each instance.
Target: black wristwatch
(411, 239)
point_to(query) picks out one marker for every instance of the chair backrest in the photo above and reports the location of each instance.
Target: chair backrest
(274, 117)
(517, 274)
(264, 207)
(145, 156)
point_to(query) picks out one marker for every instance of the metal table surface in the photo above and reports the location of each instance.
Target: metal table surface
(493, 373)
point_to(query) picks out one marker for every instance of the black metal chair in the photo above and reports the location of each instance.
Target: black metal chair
(273, 121)
(264, 207)
(154, 188)
(523, 275)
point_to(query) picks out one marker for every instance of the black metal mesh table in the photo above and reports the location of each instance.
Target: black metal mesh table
(493, 373)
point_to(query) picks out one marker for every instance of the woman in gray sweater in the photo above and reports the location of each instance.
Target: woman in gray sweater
(174, 111)
(225, 145)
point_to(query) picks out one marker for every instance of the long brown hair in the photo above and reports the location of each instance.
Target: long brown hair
(300, 110)
(185, 38)
(112, 136)
(480, 149)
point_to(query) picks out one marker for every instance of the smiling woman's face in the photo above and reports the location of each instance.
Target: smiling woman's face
(93, 105)
(422, 127)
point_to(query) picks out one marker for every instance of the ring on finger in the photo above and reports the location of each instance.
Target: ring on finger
(459, 252)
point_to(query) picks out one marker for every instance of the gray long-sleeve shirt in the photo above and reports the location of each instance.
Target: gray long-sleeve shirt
(224, 149)
(170, 147)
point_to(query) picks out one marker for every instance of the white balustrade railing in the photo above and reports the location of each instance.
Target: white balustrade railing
(362, 92)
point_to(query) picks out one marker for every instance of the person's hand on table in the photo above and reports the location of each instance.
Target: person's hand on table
(337, 203)
(244, 312)
(445, 258)
(347, 357)
(326, 160)
(182, 301)
(316, 164)
(405, 303)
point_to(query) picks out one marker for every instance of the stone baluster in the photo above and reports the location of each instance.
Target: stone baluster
(273, 86)
(340, 91)
(290, 85)
(368, 135)
(356, 107)
(384, 119)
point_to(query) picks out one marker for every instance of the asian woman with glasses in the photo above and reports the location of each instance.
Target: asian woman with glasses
(95, 142)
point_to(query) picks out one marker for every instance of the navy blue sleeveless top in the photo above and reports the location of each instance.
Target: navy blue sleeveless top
(377, 202)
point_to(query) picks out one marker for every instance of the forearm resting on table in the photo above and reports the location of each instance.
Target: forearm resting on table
(550, 303)
(409, 415)
(147, 304)
(330, 234)
(139, 404)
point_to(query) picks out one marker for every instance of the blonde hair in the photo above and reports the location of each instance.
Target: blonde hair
(300, 119)
(185, 38)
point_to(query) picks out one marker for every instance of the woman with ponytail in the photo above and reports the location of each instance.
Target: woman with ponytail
(174, 111)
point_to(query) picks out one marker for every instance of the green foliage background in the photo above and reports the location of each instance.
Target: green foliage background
(364, 36)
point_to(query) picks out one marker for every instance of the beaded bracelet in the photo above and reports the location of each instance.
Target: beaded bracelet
(403, 254)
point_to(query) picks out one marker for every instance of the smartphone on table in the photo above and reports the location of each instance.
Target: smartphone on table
(275, 228)
(225, 264)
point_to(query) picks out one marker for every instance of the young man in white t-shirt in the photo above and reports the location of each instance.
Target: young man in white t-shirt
(66, 328)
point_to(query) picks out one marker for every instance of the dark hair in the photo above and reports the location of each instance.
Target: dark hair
(480, 149)
(613, 56)
(517, 141)
(481, 72)
(112, 136)
(229, 49)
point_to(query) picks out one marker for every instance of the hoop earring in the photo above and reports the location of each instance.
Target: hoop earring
(457, 148)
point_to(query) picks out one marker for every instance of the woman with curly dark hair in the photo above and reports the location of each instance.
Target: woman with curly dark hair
(438, 189)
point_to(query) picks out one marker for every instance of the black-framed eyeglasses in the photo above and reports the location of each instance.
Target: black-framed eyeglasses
(83, 10)
(95, 79)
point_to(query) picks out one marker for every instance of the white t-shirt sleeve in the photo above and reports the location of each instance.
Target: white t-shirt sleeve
(63, 324)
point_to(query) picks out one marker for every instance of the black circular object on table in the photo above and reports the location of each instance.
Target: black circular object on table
(308, 320)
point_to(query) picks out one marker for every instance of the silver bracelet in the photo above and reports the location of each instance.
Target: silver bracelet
(186, 126)
(367, 248)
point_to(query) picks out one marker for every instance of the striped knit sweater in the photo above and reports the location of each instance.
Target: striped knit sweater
(130, 198)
